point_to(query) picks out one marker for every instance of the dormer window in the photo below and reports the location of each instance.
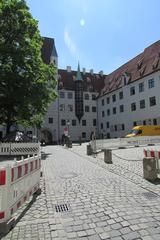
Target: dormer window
(142, 70)
(126, 78)
(155, 63)
(139, 64)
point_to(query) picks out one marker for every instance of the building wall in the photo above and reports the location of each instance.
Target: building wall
(60, 111)
(128, 117)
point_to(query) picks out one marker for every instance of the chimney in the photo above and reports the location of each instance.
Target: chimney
(68, 68)
(84, 71)
(91, 71)
(101, 73)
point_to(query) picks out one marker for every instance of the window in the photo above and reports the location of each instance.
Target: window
(108, 100)
(154, 121)
(83, 134)
(108, 135)
(132, 91)
(114, 110)
(101, 125)
(62, 107)
(94, 122)
(120, 95)
(141, 87)
(151, 83)
(152, 101)
(50, 120)
(102, 113)
(86, 96)
(142, 104)
(70, 95)
(123, 127)
(63, 122)
(121, 108)
(114, 98)
(144, 122)
(93, 109)
(1, 134)
(70, 108)
(115, 128)
(107, 124)
(86, 108)
(62, 94)
(134, 124)
(102, 102)
(93, 97)
(133, 106)
(73, 122)
(84, 122)
(108, 112)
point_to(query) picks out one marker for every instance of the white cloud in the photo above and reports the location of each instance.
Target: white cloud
(70, 44)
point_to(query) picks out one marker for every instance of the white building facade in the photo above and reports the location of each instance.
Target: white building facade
(131, 95)
(61, 116)
(109, 105)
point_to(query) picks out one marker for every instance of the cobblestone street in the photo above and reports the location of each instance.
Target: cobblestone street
(85, 199)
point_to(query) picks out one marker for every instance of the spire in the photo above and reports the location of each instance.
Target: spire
(78, 77)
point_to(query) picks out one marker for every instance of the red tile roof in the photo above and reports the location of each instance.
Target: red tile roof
(91, 82)
(142, 65)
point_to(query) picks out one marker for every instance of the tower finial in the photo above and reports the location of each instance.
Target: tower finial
(78, 77)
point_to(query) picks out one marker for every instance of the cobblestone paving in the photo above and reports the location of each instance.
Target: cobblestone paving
(101, 202)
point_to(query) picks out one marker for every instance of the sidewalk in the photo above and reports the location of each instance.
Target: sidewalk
(99, 201)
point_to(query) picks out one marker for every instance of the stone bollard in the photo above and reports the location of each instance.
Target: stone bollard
(149, 168)
(107, 155)
(89, 150)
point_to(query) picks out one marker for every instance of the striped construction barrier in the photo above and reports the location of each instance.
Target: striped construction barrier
(18, 182)
(19, 148)
(152, 153)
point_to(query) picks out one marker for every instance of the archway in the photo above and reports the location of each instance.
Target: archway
(46, 136)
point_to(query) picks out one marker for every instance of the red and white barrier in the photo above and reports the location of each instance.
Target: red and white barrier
(17, 183)
(152, 153)
(11, 149)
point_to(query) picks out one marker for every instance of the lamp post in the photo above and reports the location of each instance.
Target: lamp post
(69, 140)
(68, 123)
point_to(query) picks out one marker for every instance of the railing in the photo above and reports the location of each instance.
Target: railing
(12, 149)
(124, 142)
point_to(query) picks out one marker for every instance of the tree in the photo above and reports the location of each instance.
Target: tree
(26, 83)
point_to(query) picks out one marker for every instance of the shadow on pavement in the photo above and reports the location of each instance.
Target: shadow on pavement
(29, 205)
(45, 155)
(156, 182)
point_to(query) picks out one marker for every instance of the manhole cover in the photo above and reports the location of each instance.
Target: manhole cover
(150, 195)
(62, 207)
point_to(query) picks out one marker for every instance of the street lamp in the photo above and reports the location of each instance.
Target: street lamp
(68, 123)
(69, 140)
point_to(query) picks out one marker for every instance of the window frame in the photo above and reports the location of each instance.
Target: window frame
(141, 105)
(133, 108)
(50, 120)
(121, 95)
(151, 83)
(132, 91)
(151, 105)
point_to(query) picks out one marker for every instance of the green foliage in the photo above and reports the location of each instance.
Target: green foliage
(26, 83)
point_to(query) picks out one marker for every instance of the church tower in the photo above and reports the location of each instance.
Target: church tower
(79, 109)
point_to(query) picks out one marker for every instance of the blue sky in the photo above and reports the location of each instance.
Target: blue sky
(100, 34)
